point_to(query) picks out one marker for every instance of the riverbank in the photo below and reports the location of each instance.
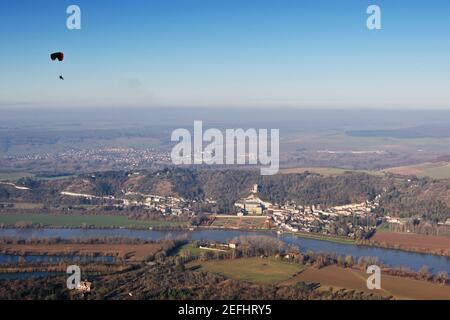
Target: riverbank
(62, 268)
(75, 221)
(128, 252)
(412, 243)
(389, 257)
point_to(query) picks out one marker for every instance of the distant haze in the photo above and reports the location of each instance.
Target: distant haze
(283, 118)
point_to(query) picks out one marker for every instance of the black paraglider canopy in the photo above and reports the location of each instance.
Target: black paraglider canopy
(57, 56)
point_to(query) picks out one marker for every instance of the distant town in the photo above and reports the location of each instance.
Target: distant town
(77, 160)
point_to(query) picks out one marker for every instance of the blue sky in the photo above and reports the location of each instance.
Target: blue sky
(226, 53)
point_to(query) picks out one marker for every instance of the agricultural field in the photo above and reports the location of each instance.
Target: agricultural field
(266, 271)
(412, 241)
(25, 205)
(76, 221)
(435, 170)
(130, 252)
(399, 288)
(14, 176)
(323, 171)
(272, 271)
(327, 171)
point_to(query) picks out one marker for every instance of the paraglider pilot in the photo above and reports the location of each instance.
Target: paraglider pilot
(58, 56)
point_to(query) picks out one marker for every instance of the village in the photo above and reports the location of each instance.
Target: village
(292, 217)
(165, 205)
(287, 217)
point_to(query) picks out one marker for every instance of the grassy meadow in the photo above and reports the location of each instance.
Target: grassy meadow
(255, 270)
(75, 221)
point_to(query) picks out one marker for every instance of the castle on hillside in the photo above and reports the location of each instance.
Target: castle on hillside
(253, 204)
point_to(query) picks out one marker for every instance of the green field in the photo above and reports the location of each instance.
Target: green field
(323, 237)
(27, 205)
(188, 250)
(328, 171)
(255, 270)
(14, 176)
(437, 170)
(74, 221)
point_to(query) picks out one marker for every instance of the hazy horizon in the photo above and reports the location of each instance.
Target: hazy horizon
(271, 117)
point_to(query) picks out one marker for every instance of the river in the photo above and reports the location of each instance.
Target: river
(390, 257)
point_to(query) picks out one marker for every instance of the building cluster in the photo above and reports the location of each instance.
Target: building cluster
(165, 205)
(302, 218)
(298, 218)
(287, 217)
(218, 246)
(124, 158)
